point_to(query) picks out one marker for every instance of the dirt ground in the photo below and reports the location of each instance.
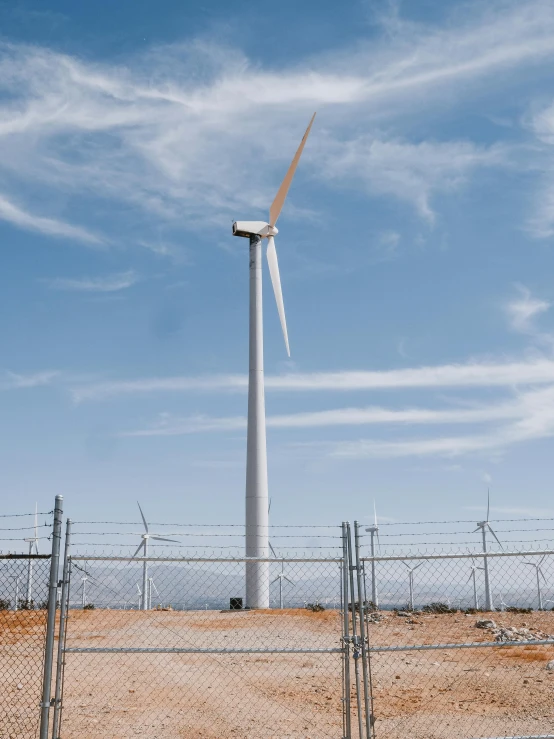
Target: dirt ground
(440, 693)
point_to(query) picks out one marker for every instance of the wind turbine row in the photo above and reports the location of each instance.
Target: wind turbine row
(256, 504)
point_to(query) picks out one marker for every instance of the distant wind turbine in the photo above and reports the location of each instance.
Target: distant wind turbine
(33, 544)
(84, 591)
(473, 576)
(144, 545)
(374, 532)
(280, 577)
(539, 573)
(411, 571)
(484, 526)
(257, 519)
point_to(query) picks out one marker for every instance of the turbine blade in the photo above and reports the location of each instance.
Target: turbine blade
(272, 550)
(276, 282)
(143, 519)
(542, 575)
(495, 536)
(289, 580)
(469, 578)
(269, 507)
(277, 204)
(488, 503)
(138, 549)
(36, 548)
(276, 580)
(155, 588)
(161, 538)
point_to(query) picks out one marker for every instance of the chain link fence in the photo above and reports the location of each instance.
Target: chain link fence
(446, 665)
(180, 658)
(24, 589)
(456, 645)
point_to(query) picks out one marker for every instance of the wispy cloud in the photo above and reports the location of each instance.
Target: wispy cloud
(471, 374)
(12, 380)
(17, 216)
(164, 131)
(534, 420)
(412, 172)
(106, 284)
(523, 310)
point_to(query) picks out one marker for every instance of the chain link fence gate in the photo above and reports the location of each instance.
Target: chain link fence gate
(150, 647)
(26, 602)
(444, 668)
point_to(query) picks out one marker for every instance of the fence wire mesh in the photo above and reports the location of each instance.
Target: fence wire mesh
(446, 665)
(23, 601)
(152, 648)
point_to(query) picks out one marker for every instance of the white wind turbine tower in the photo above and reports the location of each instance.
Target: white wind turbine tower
(374, 532)
(280, 577)
(33, 544)
(257, 519)
(539, 574)
(411, 571)
(484, 525)
(144, 545)
(151, 586)
(473, 576)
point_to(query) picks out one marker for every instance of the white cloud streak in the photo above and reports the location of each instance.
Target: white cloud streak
(15, 215)
(474, 374)
(106, 284)
(15, 381)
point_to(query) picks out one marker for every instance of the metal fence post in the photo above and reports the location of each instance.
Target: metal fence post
(51, 618)
(355, 641)
(361, 595)
(61, 635)
(346, 636)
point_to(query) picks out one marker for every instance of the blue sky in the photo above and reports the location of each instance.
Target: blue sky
(415, 250)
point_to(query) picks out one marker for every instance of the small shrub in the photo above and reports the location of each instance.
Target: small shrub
(315, 607)
(368, 606)
(4, 604)
(439, 608)
(26, 605)
(89, 607)
(515, 609)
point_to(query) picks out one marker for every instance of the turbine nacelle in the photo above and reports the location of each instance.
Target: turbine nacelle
(254, 228)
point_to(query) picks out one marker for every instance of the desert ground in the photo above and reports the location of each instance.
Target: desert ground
(461, 693)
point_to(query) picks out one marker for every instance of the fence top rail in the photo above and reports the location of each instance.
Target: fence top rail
(93, 558)
(25, 556)
(457, 555)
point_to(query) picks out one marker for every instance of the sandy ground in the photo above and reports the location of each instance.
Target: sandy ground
(461, 693)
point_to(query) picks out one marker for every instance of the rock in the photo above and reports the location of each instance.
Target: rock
(485, 623)
(404, 614)
(550, 666)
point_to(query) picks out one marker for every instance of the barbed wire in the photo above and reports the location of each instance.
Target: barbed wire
(26, 528)
(20, 515)
(204, 534)
(205, 525)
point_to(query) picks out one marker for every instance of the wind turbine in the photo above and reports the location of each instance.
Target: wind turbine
(33, 544)
(473, 576)
(411, 571)
(16, 594)
(538, 572)
(139, 603)
(280, 577)
(84, 591)
(151, 585)
(257, 518)
(144, 545)
(484, 525)
(374, 532)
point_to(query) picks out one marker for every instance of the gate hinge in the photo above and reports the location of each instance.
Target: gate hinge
(353, 568)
